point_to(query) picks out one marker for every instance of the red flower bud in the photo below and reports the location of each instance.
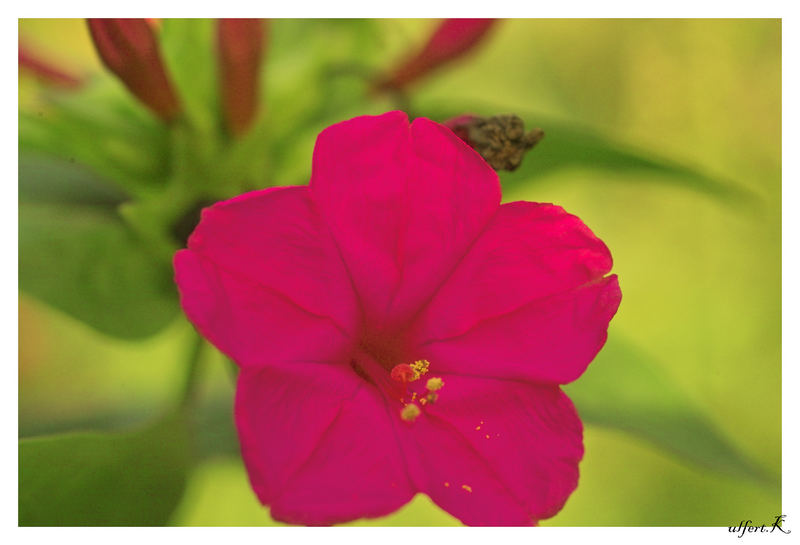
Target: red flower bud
(240, 45)
(128, 48)
(45, 71)
(451, 40)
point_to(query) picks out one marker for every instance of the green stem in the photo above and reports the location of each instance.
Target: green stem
(191, 381)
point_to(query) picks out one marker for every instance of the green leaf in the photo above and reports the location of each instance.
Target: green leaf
(84, 261)
(45, 178)
(189, 50)
(96, 479)
(307, 60)
(624, 389)
(569, 145)
(213, 430)
(316, 74)
(102, 128)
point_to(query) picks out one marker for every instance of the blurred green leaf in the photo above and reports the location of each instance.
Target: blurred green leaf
(568, 145)
(213, 429)
(95, 479)
(624, 389)
(45, 178)
(189, 49)
(84, 261)
(317, 73)
(102, 128)
(307, 62)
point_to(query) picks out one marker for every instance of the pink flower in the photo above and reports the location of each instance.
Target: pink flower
(400, 331)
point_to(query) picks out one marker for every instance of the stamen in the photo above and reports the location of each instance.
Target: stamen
(405, 373)
(410, 412)
(420, 368)
(434, 384)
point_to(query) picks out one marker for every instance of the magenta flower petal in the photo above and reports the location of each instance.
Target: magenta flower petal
(404, 202)
(532, 290)
(318, 444)
(497, 452)
(302, 264)
(549, 340)
(293, 302)
(253, 324)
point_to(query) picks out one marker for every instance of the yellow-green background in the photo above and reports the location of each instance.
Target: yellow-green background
(700, 278)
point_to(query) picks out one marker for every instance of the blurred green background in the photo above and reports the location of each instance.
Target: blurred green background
(696, 343)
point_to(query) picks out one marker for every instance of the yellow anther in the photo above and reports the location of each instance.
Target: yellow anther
(410, 412)
(434, 384)
(432, 397)
(466, 487)
(446, 484)
(420, 367)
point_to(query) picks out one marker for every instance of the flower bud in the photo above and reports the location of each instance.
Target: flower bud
(240, 46)
(45, 71)
(451, 40)
(501, 140)
(128, 48)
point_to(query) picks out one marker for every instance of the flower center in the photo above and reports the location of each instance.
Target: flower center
(376, 361)
(411, 399)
